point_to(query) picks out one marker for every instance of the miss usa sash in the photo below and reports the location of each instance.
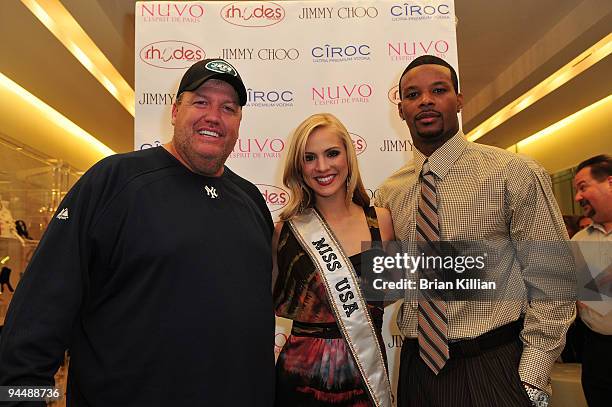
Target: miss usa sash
(346, 301)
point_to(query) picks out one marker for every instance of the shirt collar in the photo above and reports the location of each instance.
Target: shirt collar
(599, 227)
(444, 157)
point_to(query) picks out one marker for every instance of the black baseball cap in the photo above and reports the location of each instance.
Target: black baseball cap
(206, 69)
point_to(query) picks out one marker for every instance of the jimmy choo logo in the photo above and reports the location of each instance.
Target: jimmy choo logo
(395, 145)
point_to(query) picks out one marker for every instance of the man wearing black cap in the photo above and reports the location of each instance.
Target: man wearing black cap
(155, 272)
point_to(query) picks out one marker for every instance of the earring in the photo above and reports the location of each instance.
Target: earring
(348, 184)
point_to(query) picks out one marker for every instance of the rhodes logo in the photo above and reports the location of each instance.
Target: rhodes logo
(340, 53)
(171, 54)
(359, 143)
(276, 197)
(409, 50)
(409, 11)
(394, 96)
(258, 148)
(342, 94)
(171, 12)
(253, 14)
(269, 98)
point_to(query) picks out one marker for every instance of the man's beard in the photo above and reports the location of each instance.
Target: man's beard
(207, 165)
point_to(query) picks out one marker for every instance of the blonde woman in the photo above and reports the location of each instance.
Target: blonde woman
(335, 354)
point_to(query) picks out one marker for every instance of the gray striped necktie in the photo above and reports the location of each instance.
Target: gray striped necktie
(432, 316)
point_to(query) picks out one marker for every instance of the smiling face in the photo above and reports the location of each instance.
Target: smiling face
(325, 166)
(206, 123)
(429, 104)
(595, 197)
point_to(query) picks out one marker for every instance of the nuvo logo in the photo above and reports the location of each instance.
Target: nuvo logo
(276, 197)
(171, 54)
(250, 148)
(342, 94)
(253, 14)
(409, 50)
(359, 143)
(416, 12)
(171, 12)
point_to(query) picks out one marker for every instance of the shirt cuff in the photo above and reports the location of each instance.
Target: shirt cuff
(535, 368)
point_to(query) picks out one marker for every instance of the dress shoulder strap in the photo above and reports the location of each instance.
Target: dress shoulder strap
(370, 213)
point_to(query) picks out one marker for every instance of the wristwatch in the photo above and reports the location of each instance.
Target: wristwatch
(539, 398)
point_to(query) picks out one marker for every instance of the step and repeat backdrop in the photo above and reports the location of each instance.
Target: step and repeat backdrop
(296, 58)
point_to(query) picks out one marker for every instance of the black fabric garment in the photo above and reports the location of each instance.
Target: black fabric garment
(487, 379)
(159, 289)
(5, 279)
(596, 362)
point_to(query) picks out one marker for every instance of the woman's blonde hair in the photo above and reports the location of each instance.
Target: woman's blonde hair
(302, 196)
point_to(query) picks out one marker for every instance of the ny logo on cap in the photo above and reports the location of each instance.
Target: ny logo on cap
(221, 67)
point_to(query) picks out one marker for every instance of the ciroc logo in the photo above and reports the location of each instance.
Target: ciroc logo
(419, 12)
(359, 143)
(409, 50)
(258, 148)
(342, 94)
(171, 12)
(171, 54)
(276, 197)
(340, 53)
(269, 98)
(253, 14)
(394, 96)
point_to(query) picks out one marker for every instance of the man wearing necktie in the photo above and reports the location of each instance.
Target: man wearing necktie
(471, 350)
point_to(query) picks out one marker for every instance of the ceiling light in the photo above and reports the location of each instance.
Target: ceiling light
(581, 63)
(60, 22)
(561, 123)
(54, 115)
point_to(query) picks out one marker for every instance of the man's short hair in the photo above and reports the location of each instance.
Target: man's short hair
(431, 60)
(601, 166)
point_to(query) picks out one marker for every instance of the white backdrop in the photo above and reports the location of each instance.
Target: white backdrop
(296, 58)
